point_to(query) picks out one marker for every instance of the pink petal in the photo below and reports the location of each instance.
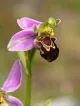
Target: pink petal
(13, 101)
(22, 41)
(13, 81)
(25, 23)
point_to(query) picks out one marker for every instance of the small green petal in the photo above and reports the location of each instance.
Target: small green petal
(52, 22)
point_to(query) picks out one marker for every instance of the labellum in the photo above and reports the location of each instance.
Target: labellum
(48, 48)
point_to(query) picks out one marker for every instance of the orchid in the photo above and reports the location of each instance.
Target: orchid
(12, 83)
(35, 34)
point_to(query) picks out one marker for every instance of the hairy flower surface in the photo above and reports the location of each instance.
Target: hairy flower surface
(36, 34)
(12, 83)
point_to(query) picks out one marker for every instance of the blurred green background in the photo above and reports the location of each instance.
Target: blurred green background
(50, 80)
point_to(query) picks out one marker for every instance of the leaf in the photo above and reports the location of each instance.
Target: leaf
(23, 57)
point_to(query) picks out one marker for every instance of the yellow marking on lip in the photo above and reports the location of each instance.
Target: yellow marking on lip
(48, 49)
(41, 51)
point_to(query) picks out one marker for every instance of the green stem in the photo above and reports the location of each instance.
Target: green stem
(28, 85)
(28, 90)
(26, 59)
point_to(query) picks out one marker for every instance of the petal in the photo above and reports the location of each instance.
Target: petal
(13, 81)
(13, 101)
(25, 23)
(22, 41)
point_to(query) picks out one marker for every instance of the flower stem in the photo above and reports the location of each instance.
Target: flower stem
(26, 59)
(28, 84)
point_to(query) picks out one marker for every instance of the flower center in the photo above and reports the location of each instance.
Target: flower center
(45, 31)
(2, 99)
(47, 41)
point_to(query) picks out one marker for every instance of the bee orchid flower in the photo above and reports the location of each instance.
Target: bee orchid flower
(36, 34)
(12, 83)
